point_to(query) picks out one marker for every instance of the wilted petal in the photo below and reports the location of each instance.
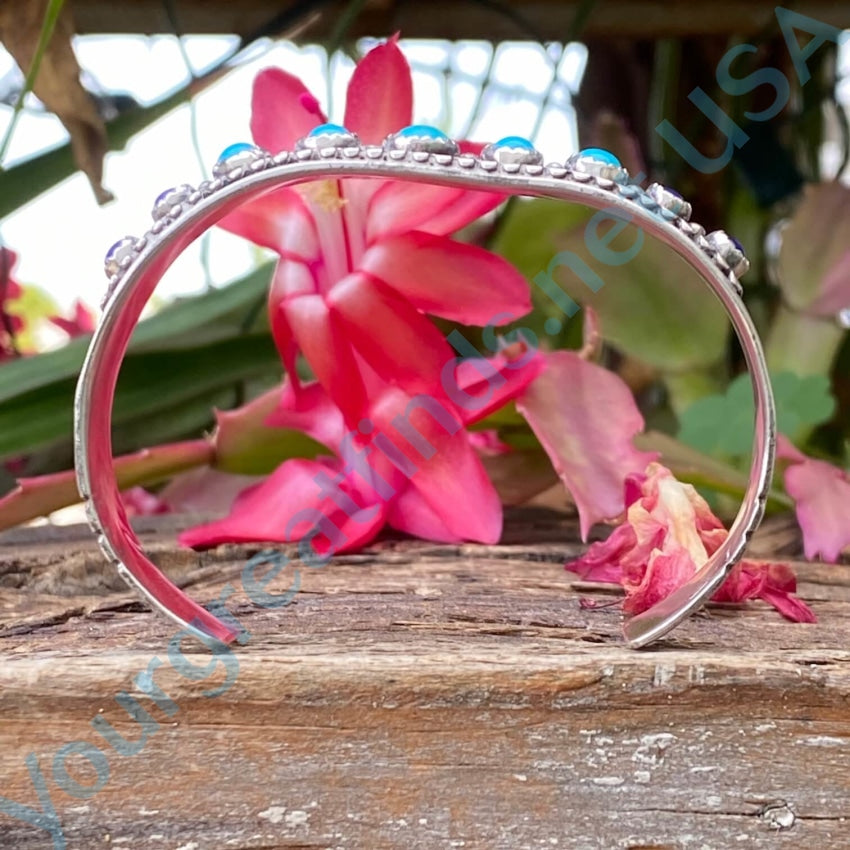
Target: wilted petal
(585, 417)
(282, 110)
(668, 535)
(292, 503)
(821, 493)
(380, 94)
(834, 293)
(666, 571)
(774, 583)
(401, 206)
(603, 560)
(279, 221)
(779, 588)
(451, 279)
(814, 243)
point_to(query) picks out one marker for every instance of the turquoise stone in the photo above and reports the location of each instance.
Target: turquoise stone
(601, 155)
(420, 131)
(328, 129)
(232, 150)
(514, 142)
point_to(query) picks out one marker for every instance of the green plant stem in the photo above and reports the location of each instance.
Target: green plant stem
(805, 345)
(51, 16)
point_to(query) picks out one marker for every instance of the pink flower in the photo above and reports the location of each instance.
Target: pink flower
(821, 492)
(361, 264)
(10, 325)
(410, 464)
(362, 261)
(83, 321)
(668, 534)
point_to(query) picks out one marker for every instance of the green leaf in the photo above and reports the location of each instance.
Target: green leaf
(652, 307)
(213, 316)
(530, 232)
(151, 385)
(723, 424)
(245, 445)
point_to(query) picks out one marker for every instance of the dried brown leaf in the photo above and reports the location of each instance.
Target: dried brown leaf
(57, 84)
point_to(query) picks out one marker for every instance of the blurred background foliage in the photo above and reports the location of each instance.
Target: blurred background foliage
(781, 196)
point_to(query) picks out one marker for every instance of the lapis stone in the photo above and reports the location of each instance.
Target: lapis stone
(114, 247)
(420, 131)
(328, 129)
(514, 142)
(118, 252)
(737, 244)
(235, 148)
(601, 155)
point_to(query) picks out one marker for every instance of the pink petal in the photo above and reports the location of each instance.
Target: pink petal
(380, 94)
(324, 339)
(205, 491)
(585, 417)
(466, 146)
(774, 583)
(82, 323)
(290, 279)
(282, 110)
(279, 221)
(489, 443)
(451, 279)
(834, 292)
(603, 560)
(486, 384)
(665, 572)
(288, 506)
(140, 502)
(821, 492)
(449, 497)
(392, 336)
(401, 206)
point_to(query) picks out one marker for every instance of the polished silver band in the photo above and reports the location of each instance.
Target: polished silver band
(139, 264)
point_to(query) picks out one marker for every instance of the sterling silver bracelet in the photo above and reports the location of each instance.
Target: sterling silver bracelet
(420, 154)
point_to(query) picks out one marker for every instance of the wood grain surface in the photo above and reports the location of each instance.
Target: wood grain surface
(415, 696)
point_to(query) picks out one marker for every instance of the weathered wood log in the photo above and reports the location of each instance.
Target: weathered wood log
(414, 696)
